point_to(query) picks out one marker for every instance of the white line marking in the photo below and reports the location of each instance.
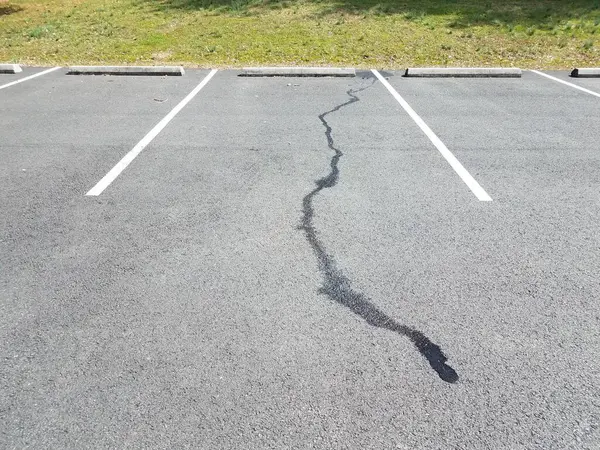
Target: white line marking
(587, 91)
(447, 154)
(129, 157)
(29, 77)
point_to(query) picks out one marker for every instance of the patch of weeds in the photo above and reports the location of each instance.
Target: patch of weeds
(384, 9)
(530, 31)
(40, 31)
(538, 15)
(104, 29)
(237, 6)
(445, 47)
(588, 44)
(458, 24)
(480, 18)
(154, 40)
(412, 16)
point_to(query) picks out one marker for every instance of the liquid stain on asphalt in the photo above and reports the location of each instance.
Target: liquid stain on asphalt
(337, 286)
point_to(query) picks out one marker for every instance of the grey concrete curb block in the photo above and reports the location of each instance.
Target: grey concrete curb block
(126, 70)
(10, 68)
(586, 73)
(298, 72)
(463, 72)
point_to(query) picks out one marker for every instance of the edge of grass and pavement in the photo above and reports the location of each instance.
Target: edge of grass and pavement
(395, 34)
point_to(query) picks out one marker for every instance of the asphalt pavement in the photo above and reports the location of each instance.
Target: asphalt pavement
(293, 263)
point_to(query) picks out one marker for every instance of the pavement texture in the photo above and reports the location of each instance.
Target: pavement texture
(6, 78)
(291, 263)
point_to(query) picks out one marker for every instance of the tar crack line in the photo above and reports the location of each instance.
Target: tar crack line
(338, 287)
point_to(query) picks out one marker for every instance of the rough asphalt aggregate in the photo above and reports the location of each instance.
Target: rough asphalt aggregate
(291, 263)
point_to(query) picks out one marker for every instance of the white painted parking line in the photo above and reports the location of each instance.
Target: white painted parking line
(29, 77)
(129, 157)
(587, 91)
(447, 154)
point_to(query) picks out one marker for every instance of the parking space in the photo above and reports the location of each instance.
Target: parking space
(28, 73)
(292, 260)
(592, 84)
(60, 134)
(533, 253)
(10, 77)
(521, 137)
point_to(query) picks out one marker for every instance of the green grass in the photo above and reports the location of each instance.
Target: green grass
(361, 33)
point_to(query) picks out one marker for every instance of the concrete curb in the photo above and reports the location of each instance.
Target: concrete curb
(463, 72)
(127, 70)
(298, 72)
(586, 73)
(10, 68)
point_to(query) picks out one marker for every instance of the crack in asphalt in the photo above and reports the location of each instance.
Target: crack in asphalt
(338, 287)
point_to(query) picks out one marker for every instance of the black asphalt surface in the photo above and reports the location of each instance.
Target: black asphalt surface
(291, 263)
